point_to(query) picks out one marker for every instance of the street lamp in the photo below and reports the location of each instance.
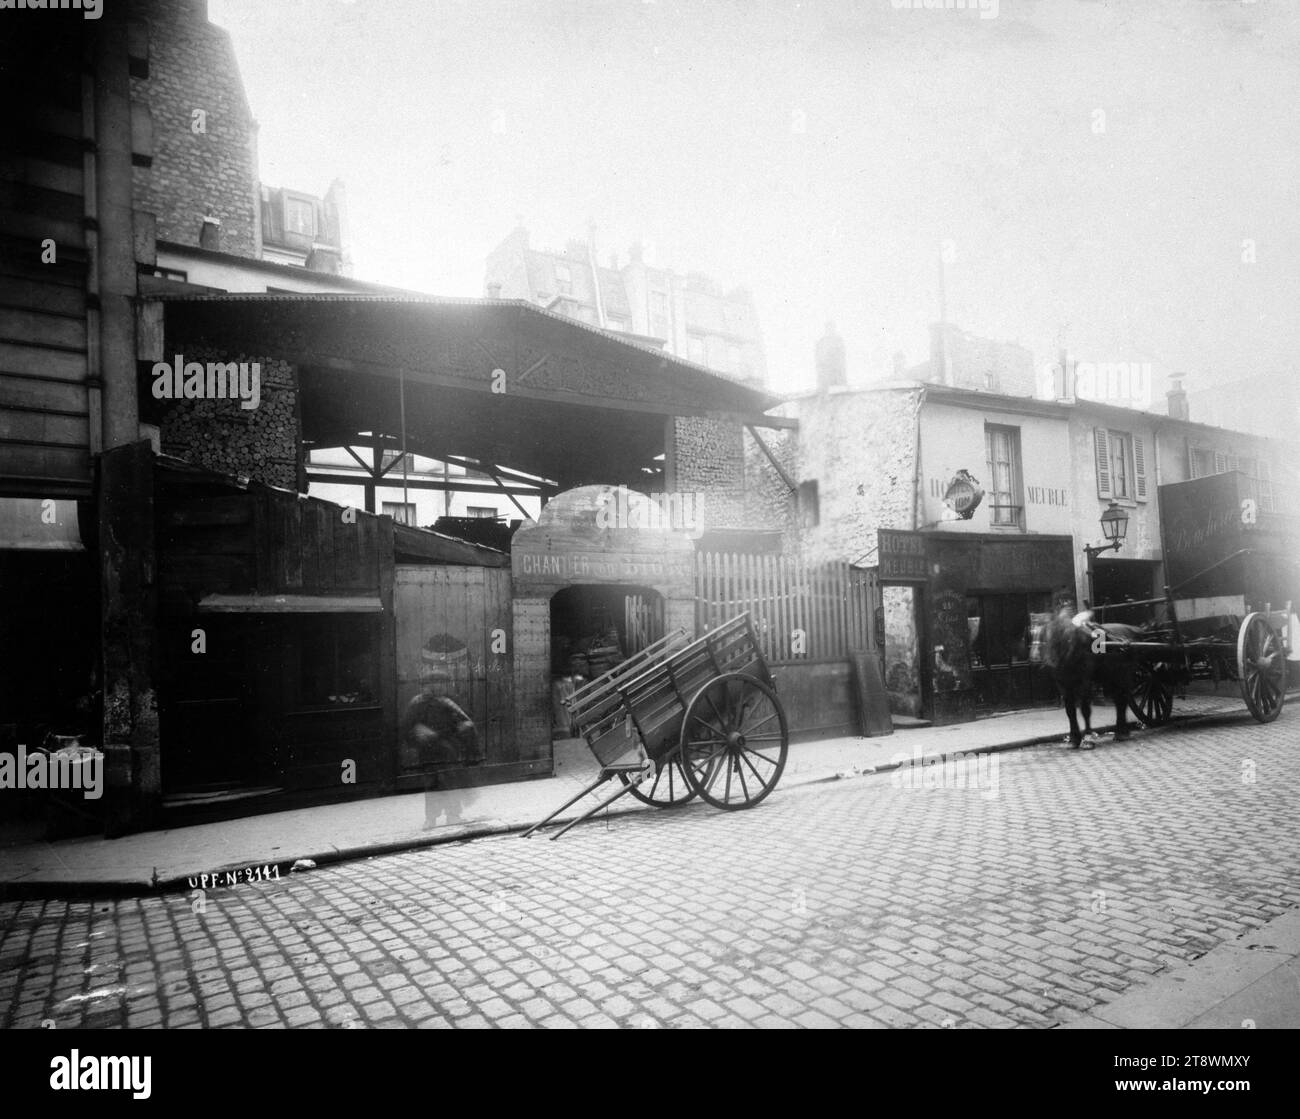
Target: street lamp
(1114, 526)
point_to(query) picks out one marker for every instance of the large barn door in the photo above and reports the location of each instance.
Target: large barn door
(458, 619)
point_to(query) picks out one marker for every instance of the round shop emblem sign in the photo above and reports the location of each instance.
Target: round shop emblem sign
(963, 495)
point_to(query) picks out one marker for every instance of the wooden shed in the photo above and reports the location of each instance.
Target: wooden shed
(279, 638)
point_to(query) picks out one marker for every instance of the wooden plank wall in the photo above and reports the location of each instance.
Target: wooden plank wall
(308, 547)
(45, 442)
(470, 604)
(829, 607)
(803, 613)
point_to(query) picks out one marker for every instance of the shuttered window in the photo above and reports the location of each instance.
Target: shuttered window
(1121, 464)
(1101, 447)
(1203, 461)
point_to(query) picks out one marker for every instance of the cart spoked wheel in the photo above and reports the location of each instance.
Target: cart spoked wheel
(734, 741)
(668, 789)
(1152, 697)
(1261, 665)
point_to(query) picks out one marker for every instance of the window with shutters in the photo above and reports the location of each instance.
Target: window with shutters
(1203, 461)
(1200, 462)
(1002, 452)
(1121, 465)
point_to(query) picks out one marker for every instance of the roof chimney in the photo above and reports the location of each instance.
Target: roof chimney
(829, 357)
(210, 232)
(1177, 397)
(494, 291)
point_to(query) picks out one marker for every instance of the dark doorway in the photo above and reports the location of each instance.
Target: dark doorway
(1002, 673)
(49, 645)
(594, 628)
(205, 723)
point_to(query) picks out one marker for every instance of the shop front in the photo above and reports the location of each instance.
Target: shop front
(960, 613)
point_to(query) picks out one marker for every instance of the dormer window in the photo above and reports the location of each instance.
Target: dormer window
(299, 217)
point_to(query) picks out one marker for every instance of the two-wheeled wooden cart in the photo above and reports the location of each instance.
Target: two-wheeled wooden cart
(682, 719)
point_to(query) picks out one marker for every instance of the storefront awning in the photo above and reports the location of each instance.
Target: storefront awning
(39, 524)
(289, 604)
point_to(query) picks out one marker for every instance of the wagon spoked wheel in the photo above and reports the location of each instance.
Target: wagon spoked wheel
(734, 741)
(1152, 697)
(668, 789)
(1261, 666)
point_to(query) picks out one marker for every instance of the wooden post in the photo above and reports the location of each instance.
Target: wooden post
(128, 613)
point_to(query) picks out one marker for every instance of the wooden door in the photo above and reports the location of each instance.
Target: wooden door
(458, 619)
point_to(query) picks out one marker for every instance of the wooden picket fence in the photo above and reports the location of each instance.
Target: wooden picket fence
(802, 612)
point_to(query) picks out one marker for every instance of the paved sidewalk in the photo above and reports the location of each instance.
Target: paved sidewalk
(1252, 983)
(330, 833)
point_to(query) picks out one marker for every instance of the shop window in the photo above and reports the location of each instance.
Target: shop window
(1121, 465)
(337, 662)
(695, 349)
(1002, 448)
(1000, 630)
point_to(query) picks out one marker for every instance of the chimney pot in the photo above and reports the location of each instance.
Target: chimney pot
(1177, 398)
(210, 232)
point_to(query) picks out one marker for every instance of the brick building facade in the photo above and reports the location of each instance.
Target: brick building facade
(204, 136)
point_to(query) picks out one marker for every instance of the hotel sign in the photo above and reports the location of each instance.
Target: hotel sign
(903, 556)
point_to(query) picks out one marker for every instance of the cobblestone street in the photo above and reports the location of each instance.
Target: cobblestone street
(1065, 880)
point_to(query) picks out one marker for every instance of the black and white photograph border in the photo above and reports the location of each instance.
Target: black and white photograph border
(651, 514)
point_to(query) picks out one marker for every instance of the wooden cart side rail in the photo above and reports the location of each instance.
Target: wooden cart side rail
(597, 689)
(629, 673)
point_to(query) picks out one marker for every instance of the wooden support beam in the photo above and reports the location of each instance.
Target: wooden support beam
(794, 489)
(781, 423)
(501, 486)
(493, 468)
(421, 484)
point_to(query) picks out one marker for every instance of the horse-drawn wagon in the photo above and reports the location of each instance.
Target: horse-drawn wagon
(1217, 544)
(682, 719)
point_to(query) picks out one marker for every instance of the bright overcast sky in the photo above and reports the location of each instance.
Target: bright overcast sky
(1096, 166)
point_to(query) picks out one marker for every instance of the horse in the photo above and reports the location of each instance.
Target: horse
(1080, 653)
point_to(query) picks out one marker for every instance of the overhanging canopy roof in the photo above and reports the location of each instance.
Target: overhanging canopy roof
(499, 381)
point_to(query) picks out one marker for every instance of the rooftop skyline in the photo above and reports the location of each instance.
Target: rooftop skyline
(1115, 179)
